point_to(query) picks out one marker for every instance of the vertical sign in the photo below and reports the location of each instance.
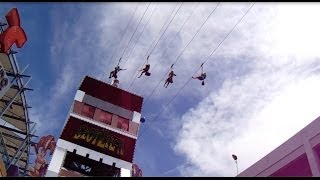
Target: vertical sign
(14, 34)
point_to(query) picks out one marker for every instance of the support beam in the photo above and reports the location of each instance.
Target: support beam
(28, 147)
(23, 160)
(13, 98)
(13, 75)
(14, 103)
(14, 130)
(312, 157)
(15, 148)
(17, 138)
(18, 88)
(18, 74)
(14, 117)
(11, 84)
(4, 149)
(11, 136)
(18, 154)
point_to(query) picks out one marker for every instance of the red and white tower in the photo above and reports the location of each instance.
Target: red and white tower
(100, 133)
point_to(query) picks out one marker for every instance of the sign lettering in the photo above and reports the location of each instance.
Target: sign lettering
(99, 139)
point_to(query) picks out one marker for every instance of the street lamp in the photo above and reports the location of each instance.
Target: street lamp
(235, 158)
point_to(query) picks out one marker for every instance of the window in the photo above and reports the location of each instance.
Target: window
(77, 107)
(88, 110)
(123, 123)
(133, 127)
(105, 117)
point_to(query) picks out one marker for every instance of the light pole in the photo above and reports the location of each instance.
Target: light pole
(235, 158)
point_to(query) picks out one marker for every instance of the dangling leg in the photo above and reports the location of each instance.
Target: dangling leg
(169, 80)
(143, 71)
(111, 74)
(166, 83)
(202, 83)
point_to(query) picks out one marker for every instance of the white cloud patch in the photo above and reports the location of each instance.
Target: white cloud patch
(251, 114)
(265, 73)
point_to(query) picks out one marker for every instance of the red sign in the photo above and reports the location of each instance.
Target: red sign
(14, 34)
(99, 139)
(111, 94)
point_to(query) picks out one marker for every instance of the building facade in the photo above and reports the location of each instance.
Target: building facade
(100, 133)
(298, 156)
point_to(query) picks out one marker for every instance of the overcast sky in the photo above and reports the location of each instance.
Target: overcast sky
(262, 80)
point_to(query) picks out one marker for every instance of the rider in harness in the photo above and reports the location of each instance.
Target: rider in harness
(169, 79)
(115, 72)
(145, 70)
(202, 77)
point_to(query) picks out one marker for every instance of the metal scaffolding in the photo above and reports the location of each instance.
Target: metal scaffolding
(15, 130)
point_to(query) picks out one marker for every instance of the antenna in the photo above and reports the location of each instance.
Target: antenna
(235, 158)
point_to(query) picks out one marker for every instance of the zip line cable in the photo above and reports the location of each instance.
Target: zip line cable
(163, 26)
(122, 36)
(176, 35)
(145, 25)
(166, 28)
(158, 115)
(157, 42)
(152, 44)
(134, 33)
(182, 51)
(228, 33)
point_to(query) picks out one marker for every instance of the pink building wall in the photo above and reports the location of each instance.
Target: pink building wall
(298, 156)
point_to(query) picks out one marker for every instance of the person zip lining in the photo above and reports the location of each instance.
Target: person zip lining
(146, 68)
(170, 77)
(114, 73)
(202, 77)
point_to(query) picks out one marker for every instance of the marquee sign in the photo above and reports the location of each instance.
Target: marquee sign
(99, 139)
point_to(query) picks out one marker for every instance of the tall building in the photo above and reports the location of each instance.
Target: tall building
(100, 133)
(298, 156)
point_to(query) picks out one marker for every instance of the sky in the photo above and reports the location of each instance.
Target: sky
(263, 77)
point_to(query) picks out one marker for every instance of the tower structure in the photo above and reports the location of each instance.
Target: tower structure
(16, 128)
(99, 134)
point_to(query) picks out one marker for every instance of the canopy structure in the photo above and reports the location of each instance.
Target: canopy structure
(16, 129)
(15, 126)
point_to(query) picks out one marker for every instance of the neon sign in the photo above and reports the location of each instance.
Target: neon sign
(99, 139)
(14, 34)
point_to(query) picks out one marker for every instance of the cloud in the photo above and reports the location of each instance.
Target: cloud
(254, 111)
(251, 77)
(247, 111)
